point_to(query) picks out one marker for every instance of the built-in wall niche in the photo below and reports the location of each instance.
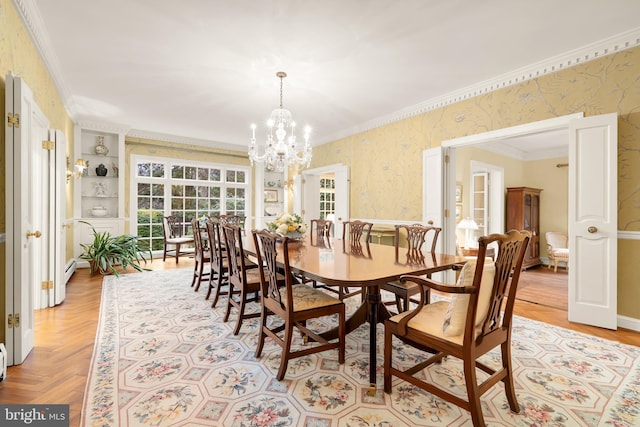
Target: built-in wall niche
(99, 193)
(100, 184)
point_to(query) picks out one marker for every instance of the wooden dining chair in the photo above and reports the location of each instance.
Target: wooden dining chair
(219, 265)
(475, 321)
(417, 236)
(294, 303)
(320, 229)
(243, 280)
(355, 240)
(202, 256)
(175, 241)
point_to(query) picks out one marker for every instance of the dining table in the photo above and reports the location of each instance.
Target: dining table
(338, 262)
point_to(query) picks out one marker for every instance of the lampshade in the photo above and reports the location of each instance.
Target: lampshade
(468, 225)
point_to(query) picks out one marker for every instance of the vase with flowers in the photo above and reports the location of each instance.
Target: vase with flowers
(289, 225)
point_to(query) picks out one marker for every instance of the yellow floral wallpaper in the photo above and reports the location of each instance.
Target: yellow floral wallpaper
(386, 162)
(394, 152)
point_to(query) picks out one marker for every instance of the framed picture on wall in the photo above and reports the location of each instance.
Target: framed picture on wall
(458, 192)
(270, 195)
(458, 212)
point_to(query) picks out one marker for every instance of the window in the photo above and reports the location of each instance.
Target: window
(327, 197)
(185, 189)
(479, 201)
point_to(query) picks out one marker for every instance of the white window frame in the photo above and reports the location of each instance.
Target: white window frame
(167, 180)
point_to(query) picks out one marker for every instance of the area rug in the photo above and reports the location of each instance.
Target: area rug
(164, 357)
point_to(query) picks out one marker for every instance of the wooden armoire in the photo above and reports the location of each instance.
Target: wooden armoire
(523, 213)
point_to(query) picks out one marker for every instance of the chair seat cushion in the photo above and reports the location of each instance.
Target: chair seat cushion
(430, 320)
(456, 314)
(560, 253)
(306, 297)
(179, 240)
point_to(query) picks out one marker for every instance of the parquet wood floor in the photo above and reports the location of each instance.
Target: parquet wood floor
(56, 369)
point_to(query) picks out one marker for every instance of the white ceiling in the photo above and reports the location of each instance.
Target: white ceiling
(205, 69)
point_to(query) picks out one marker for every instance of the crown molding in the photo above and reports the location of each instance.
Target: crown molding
(30, 15)
(157, 136)
(568, 59)
(103, 126)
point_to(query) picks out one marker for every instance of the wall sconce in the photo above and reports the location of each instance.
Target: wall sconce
(79, 167)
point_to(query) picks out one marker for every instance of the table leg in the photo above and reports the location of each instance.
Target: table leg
(372, 311)
(373, 301)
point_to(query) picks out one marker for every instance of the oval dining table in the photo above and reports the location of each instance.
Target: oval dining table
(336, 262)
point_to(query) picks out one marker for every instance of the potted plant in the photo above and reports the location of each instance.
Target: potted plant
(107, 251)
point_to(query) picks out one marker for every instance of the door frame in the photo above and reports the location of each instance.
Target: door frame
(554, 124)
(304, 180)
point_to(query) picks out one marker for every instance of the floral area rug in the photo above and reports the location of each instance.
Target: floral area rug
(164, 357)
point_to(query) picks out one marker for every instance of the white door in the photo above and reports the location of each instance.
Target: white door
(58, 199)
(24, 215)
(436, 209)
(342, 193)
(593, 220)
(308, 198)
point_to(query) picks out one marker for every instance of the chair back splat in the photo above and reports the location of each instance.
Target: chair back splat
(294, 303)
(174, 238)
(476, 320)
(417, 236)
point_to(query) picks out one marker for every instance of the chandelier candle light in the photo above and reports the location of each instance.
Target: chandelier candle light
(282, 151)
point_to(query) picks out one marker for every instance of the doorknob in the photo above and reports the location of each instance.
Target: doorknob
(430, 222)
(35, 234)
(592, 229)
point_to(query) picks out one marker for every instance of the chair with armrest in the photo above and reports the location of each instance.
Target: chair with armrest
(475, 321)
(417, 235)
(294, 303)
(557, 248)
(174, 237)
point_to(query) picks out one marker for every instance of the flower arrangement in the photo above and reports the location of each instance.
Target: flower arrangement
(288, 225)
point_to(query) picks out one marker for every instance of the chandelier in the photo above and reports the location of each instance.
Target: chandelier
(283, 150)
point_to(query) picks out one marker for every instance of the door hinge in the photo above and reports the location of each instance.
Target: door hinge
(47, 284)
(48, 145)
(14, 320)
(13, 120)
(446, 213)
(446, 158)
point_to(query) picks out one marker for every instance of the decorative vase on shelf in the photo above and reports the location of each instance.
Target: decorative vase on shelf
(101, 170)
(101, 149)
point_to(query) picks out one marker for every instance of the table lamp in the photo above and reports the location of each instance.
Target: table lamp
(468, 225)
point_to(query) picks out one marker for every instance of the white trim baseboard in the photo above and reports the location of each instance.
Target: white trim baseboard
(629, 323)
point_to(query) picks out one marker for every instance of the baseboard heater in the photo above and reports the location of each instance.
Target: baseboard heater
(69, 269)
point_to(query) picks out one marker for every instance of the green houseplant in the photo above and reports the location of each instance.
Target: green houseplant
(107, 251)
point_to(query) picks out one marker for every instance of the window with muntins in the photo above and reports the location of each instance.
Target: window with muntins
(187, 190)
